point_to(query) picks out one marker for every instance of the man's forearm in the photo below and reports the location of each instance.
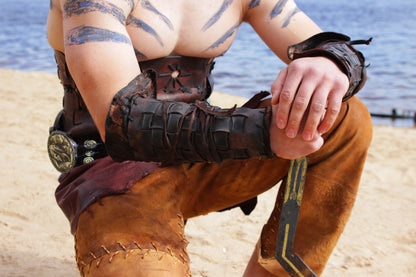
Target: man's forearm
(146, 129)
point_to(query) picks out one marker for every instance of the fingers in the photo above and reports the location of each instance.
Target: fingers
(288, 84)
(302, 91)
(333, 109)
(315, 111)
(278, 86)
(292, 148)
(299, 108)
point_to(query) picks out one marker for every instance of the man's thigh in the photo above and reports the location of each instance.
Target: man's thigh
(213, 187)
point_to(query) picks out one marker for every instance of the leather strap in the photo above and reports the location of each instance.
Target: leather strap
(144, 129)
(339, 49)
(179, 78)
(175, 78)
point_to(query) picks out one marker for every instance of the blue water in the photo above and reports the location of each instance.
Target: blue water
(249, 66)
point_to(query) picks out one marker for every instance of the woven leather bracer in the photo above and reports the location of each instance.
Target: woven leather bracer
(145, 129)
(339, 49)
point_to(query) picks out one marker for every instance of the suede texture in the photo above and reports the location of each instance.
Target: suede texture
(141, 232)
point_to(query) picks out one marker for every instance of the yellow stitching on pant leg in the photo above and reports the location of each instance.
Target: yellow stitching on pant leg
(183, 259)
(154, 245)
(170, 251)
(138, 245)
(128, 253)
(82, 263)
(99, 262)
(93, 256)
(145, 253)
(112, 256)
(122, 246)
(180, 235)
(96, 259)
(89, 269)
(105, 249)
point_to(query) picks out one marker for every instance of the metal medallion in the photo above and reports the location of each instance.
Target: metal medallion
(62, 151)
(87, 159)
(90, 144)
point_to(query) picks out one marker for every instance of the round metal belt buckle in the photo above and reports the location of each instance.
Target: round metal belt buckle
(62, 151)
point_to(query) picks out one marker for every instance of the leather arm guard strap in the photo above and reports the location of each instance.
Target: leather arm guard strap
(339, 49)
(145, 129)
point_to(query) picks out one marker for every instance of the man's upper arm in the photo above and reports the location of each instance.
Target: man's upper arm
(280, 23)
(98, 51)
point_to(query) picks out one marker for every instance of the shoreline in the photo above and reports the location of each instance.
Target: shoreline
(379, 240)
(393, 117)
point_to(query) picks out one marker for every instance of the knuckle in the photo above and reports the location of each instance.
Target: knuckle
(327, 78)
(299, 102)
(282, 115)
(311, 124)
(282, 112)
(285, 96)
(342, 81)
(317, 107)
(314, 72)
(332, 112)
(296, 65)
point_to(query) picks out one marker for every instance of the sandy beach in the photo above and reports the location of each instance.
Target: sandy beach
(35, 240)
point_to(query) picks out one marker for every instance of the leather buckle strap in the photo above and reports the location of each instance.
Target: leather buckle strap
(66, 152)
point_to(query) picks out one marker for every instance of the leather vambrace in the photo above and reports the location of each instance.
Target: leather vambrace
(146, 129)
(339, 49)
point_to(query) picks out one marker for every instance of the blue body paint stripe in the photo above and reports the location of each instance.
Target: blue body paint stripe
(217, 15)
(224, 37)
(86, 6)
(278, 8)
(84, 34)
(144, 26)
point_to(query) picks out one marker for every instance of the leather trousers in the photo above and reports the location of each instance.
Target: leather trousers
(141, 232)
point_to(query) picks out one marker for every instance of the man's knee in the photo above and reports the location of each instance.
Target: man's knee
(133, 235)
(358, 121)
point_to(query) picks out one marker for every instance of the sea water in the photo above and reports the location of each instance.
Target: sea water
(249, 66)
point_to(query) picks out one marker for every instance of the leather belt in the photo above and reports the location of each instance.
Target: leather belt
(66, 153)
(74, 139)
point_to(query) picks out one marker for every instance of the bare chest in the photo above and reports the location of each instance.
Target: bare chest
(159, 28)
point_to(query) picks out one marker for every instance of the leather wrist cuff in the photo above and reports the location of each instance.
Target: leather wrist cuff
(145, 129)
(339, 49)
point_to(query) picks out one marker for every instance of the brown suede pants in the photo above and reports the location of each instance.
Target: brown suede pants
(141, 232)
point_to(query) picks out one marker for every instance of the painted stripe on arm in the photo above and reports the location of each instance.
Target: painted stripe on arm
(278, 8)
(289, 16)
(85, 34)
(81, 7)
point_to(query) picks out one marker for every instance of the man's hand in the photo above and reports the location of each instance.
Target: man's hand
(291, 148)
(308, 90)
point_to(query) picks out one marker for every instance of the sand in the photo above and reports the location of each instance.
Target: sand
(379, 240)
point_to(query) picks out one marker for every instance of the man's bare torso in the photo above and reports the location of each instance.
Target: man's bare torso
(102, 39)
(159, 28)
